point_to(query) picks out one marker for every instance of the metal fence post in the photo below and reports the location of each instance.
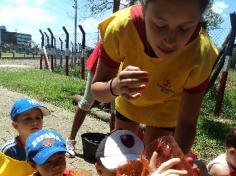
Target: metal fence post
(55, 50)
(51, 48)
(47, 39)
(66, 51)
(61, 51)
(41, 54)
(72, 53)
(83, 53)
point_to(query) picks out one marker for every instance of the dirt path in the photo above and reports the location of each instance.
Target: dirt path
(60, 120)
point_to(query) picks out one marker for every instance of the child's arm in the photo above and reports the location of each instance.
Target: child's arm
(9, 152)
(129, 83)
(100, 85)
(187, 121)
(218, 170)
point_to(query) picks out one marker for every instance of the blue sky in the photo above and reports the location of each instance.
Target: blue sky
(28, 16)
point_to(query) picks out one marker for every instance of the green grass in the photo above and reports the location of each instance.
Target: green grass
(210, 136)
(212, 130)
(58, 89)
(74, 71)
(7, 54)
(228, 109)
(44, 85)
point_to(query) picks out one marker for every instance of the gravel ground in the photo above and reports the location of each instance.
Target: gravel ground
(60, 119)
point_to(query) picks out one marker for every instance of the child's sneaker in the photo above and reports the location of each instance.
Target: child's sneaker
(70, 146)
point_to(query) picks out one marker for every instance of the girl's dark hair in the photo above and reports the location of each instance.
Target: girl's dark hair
(204, 4)
(230, 138)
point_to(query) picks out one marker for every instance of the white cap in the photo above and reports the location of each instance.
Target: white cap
(119, 147)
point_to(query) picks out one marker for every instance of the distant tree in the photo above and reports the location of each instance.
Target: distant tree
(97, 7)
(212, 19)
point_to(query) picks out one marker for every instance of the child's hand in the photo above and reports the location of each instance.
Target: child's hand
(130, 82)
(165, 168)
(198, 166)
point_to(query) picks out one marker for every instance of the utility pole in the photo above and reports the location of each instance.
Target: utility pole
(75, 25)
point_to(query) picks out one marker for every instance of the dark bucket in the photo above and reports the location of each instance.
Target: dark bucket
(90, 142)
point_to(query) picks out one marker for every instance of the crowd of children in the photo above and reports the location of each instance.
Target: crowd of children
(154, 60)
(41, 152)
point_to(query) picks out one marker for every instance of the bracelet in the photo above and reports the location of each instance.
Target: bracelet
(111, 88)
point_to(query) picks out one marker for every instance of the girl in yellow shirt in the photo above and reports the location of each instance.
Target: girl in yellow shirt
(156, 60)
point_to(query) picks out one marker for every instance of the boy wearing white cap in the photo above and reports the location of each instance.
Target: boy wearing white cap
(27, 117)
(121, 147)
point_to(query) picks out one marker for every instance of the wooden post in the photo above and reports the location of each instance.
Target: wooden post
(220, 95)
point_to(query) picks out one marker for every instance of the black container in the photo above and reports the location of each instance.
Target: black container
(90, 142)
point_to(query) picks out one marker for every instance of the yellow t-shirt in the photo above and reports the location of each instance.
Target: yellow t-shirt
(187, 68)
(12, 167)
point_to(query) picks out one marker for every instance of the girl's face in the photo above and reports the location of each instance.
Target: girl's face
(170, 24)
(54, 166)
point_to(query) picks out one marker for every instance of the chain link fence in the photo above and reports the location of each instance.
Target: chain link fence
(219, 35)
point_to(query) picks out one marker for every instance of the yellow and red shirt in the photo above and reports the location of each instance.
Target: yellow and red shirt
(92, 61)
(186, 70)
(10, 167)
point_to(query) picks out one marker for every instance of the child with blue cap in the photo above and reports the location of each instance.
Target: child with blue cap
(27, 117)
(45, 151)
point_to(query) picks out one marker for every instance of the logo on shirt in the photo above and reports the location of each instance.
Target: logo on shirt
(165, 86)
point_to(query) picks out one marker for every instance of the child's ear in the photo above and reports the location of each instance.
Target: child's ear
(98, 168)
(14, 124)
(232, 151)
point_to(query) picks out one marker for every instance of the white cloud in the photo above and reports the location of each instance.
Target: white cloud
(20, 1)
(24, 14)
(219, 7)
(25, 19)
(40, 2)
(90, 24)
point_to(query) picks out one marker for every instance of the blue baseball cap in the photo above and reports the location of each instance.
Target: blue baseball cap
(43, 144)
(24, 105)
